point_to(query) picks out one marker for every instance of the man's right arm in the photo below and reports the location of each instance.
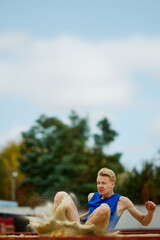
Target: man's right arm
(86, 214)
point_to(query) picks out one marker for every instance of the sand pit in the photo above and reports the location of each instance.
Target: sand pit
(57, 227)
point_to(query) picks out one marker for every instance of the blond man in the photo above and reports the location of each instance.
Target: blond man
(105, 206)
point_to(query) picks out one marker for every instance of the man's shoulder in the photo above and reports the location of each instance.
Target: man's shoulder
(126, 202)
(90, 195)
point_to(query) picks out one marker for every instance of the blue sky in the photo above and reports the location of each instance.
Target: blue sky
(98, 57)
(89, 19)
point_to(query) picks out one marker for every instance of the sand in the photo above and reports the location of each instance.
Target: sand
(57, 224)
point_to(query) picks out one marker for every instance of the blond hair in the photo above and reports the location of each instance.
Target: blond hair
(107, 172)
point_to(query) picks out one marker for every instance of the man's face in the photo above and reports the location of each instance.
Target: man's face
(104, 185)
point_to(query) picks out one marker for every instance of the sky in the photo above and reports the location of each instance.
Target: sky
(100, 58)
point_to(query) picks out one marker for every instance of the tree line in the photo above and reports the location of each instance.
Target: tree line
(54, 156)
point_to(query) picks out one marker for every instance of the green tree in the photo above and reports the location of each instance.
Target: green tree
(9, 163)
(55, 156)
(107, 134)
(143, 185)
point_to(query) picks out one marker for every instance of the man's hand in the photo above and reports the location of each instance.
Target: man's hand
(150, 206)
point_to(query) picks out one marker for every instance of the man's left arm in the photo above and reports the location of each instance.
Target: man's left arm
(144, 219)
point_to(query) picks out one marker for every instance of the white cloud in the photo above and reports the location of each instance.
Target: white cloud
(66, 72)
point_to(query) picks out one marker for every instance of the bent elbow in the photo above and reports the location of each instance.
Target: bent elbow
(145, 224)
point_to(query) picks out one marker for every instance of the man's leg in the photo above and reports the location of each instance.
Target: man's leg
(71, 210)
(100, 218)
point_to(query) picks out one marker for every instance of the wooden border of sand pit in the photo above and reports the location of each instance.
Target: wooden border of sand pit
(122, 235)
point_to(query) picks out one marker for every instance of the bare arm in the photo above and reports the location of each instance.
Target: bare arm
(144, 219)
(86, 214)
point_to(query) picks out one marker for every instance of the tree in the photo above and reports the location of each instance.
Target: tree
(54, 156)
(9, 163)
(107, 134)
(143, 185)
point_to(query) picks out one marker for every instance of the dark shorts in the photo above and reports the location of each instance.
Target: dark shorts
(82, 221)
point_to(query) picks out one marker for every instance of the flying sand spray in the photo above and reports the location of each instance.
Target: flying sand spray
(57, 224)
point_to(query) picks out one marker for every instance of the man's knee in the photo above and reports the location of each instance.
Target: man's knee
(60, 196)
(104, 210)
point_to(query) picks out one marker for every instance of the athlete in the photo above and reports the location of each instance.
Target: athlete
(105, 206)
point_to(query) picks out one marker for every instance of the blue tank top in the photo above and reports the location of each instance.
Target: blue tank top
(112, 201)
